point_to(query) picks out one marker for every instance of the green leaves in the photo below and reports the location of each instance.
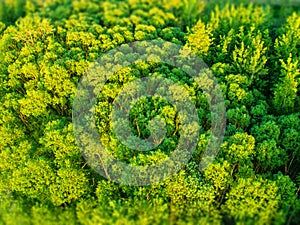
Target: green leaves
(190, 197)
(288, 41)
(270, 156)
(239, 117)
(200, 39)
(285, 94)
(46, 47)
(267, 130)
(35, 104)
(70, 185)
(220, 175)
(239, 149)
(253, 200)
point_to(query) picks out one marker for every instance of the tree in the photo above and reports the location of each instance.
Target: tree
(285, 94)
(46, 46)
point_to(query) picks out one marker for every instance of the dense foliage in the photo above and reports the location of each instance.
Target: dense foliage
(252, 49)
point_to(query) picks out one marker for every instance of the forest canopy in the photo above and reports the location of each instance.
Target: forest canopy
(251, 47)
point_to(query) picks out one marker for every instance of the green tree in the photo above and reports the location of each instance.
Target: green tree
(285, 93)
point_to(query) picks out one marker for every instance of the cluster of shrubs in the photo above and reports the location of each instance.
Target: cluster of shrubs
(253, 51)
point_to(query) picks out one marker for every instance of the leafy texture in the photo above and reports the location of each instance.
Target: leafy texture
(252, 49)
